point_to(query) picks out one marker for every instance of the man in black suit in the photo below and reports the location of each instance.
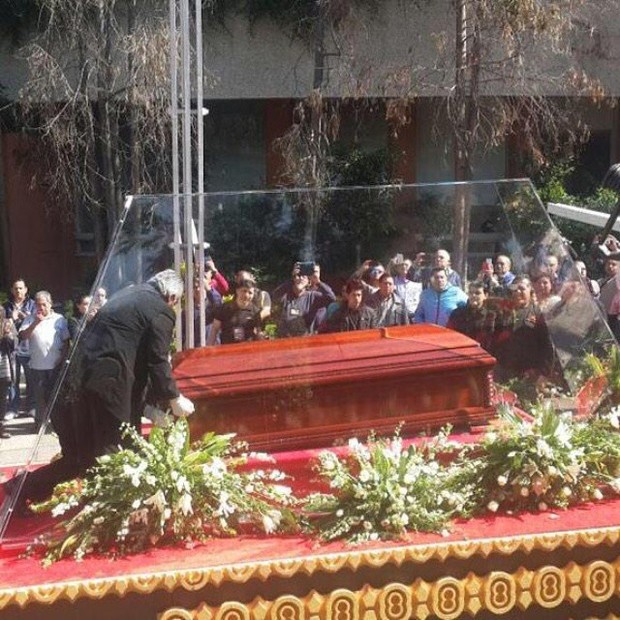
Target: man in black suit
(123, 353)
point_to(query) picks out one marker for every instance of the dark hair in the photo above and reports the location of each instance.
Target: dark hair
(384, 275)
(477, 284)
(77, 301)
(246, 284)
(354, 285)
(434, 270)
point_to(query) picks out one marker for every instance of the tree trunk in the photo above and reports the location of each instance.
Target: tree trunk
(108, 129)
(135, 154)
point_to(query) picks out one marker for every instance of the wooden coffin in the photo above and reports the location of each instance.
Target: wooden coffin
(318, 390)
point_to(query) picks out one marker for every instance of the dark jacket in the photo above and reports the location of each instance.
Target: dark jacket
(126, 346)
(346, 320)
(390, 311)
(297, 313)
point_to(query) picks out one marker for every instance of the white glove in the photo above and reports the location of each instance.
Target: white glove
(156, 415)
(181, 406)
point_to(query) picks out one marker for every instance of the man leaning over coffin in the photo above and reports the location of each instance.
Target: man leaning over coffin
(121, 359)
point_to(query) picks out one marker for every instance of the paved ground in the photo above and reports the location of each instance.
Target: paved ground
(17, 449)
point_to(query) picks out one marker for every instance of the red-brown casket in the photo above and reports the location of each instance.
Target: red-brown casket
(313, 391)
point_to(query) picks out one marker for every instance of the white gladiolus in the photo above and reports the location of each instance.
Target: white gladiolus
(157, 500)
(364, 475)
(492, 506)
(271, 521)
(185, 504)
(268, 525)
(502, 481)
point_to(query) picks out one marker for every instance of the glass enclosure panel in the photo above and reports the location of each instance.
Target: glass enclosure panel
(346, 232)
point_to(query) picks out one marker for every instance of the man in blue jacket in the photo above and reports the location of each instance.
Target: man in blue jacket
(439, 300)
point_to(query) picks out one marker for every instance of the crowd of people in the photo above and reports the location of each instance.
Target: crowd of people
(123, 359)
(503, 310)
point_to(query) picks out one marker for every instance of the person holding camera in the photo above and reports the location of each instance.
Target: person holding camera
(237, 320)
(369, 273)
(420, 272)
(299, 304)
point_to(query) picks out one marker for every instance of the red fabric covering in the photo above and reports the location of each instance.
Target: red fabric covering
(16, 571)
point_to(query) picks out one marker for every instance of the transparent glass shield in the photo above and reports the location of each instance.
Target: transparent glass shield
(327, 236)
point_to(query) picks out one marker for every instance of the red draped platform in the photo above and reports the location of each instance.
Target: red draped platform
(301, 392)
(563, 564)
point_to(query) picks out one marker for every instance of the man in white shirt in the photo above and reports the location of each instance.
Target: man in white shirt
(48, 335)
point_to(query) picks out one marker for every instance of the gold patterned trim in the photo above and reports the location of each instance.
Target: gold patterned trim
(198, 578)
(447, 598)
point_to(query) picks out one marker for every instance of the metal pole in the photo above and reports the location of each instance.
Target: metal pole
(187, 174)
(174, 113)
(200, 165)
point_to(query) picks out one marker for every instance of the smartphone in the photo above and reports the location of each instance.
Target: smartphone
(306, 268)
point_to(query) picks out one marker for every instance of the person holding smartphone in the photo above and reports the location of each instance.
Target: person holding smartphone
(298, 303)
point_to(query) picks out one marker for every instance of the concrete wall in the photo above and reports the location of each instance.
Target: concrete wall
(397, 50)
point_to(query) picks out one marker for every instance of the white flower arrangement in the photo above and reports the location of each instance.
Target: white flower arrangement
(542, 464)
(381, 490)
(163, 490)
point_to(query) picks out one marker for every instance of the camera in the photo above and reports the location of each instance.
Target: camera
(306, 268)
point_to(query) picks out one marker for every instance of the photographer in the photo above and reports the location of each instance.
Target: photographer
(421, 272)
(237, 320)
(298, 304)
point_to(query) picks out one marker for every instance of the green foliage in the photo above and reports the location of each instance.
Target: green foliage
(554, 183)
(16, 17)
(382, 489)
(266, 232)
(534, 465)
(163, 490)
(609, 368)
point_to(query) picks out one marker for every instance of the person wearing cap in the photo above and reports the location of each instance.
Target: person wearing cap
(299, 305)
(407, 290)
